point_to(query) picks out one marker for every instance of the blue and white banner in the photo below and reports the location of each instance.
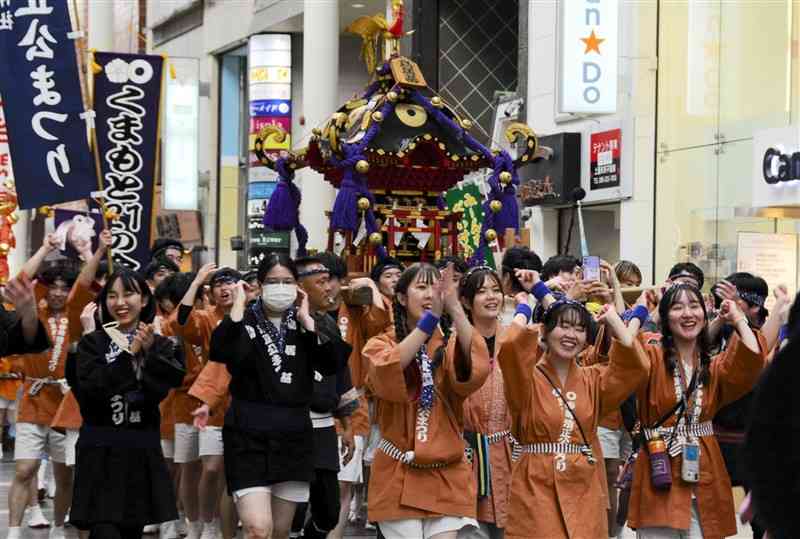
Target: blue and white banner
(43, 105)
(271, 107)
(128, 101)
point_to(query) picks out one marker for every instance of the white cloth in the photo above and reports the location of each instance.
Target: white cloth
(32, 440)
(6, 404)
(187, 443)
(168, 449)
(694, 531)
(291, 491)
(616, 444)
(423, 528)
(210, 442)
(353, 471)
(70, 443)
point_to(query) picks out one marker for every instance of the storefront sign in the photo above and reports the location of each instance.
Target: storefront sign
(588, 82)
(43, 104)
(604, 157)
(180, 165)
(772, 257)
(776, 167)
(270, 77)
(128, 99)
(549, 182)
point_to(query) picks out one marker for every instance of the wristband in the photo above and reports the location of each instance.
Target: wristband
(783, 334)
(640, 312)
(428, 322)
(540, 290)
(524, 310)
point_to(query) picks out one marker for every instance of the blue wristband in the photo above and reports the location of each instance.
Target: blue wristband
(525, 310)
(540, 290)
(640, 312)
(783, 333)
(428, 322)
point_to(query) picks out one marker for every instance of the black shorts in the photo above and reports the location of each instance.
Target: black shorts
(259, 459)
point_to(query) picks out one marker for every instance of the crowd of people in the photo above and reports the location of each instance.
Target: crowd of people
(428, 400)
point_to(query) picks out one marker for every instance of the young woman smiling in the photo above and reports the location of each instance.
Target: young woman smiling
(123, 371)
(421, 484)
(685, 389)
(486, 417)
(559, 483)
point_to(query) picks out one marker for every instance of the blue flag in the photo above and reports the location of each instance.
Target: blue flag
(44, 110)
(127, 99)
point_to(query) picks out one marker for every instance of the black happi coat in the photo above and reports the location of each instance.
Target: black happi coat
(267, 434)
(120, 474)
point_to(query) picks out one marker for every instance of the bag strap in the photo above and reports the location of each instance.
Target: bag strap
(571, 411)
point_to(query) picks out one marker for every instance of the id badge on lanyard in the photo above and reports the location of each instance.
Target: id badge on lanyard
(690, 467)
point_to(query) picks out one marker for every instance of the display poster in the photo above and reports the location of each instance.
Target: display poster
(772, 257)
(605, 149)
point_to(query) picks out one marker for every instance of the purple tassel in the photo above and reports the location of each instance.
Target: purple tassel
(283, 209)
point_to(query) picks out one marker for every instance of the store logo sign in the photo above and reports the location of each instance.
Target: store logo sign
(778, 166)
(588, 82)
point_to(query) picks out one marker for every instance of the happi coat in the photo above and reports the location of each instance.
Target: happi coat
(486, 412)
(120, 473)
(554, 496)
(399, 491)
(733, 373)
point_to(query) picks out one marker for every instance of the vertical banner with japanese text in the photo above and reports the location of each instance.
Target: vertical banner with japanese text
(127, 99)
(604, 159)
(44, 109)
(467, 198)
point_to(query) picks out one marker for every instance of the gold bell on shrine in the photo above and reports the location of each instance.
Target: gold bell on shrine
(491, 235)
(376, 238)
(496, 206)
(362, 167)
(363, 203)
(505, 177)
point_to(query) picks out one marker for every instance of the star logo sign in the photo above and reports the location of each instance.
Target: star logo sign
(592, 43)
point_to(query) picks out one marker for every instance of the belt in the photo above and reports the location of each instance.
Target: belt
(406, 457)
(694, 430)
(497, 437)
(548, 448)
(39, 383)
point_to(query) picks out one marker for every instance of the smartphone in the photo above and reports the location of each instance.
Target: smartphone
(591, 268)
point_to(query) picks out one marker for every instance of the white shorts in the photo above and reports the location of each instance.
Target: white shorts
(6, 404)
(187, 443)
(694, 531)
(291, 491)
(70, 443)
(210, 442)
(353, 471)
(32, 440)
(423, 528)
(168, 448)
(616, 444)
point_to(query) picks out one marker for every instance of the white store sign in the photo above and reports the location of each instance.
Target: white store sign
(776, 167)
(588, 70)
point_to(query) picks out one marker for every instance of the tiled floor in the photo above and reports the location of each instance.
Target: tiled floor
(7, 468)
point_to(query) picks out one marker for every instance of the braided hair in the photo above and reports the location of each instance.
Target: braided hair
(428, 274)
(674, 294)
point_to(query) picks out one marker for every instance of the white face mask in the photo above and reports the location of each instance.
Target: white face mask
(279, 297)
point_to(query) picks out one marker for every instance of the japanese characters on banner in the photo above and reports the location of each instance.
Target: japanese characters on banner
(5, 156)
(270, 85)
(44, 108)
(467, 198)
(128, 99)
(604, 153)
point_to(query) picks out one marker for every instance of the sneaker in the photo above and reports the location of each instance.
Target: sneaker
(36, 518)
(14, 533)
(168, 530)
(180, 526)
(150, 529)
(211, 530)
(57, 532)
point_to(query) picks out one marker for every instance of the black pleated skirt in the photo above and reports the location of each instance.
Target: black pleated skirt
(122, 485)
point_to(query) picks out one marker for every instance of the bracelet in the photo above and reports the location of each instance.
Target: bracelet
(540, 290)
(641, 313)
(783, 334)
(428, 322)
(524, 310)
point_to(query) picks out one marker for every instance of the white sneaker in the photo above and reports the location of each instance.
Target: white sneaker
(14, 533)
(180, 525)
(57, 532)
(211, 530)
(150, 529)
(168, 530)
(36, 518)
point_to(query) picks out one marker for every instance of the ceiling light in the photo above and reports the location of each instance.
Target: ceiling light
(359, 6)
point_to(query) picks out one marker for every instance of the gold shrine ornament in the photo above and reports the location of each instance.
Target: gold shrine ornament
(363, 203)
(505, 177)
(362, 167)
(496, 206)
(491, 235)
(376, 238)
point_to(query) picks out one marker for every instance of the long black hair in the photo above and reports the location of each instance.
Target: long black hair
(132, 281)
(428, 274)
(471, 283)
(671, 297)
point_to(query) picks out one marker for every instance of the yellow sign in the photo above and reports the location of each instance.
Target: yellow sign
(271, 74)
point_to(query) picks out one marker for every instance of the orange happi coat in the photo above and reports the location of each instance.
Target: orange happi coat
(733, 373)
(486, 412)
(396, 490)
(554, 496)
